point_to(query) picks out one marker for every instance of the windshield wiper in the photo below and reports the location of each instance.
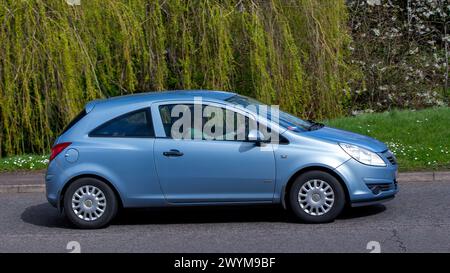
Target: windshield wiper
(315, 125)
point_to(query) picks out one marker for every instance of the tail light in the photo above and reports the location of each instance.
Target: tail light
(58, 148)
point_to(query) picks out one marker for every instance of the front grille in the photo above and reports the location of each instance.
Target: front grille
(392, 160)
(391, 157)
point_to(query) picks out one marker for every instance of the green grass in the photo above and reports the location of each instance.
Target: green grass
(419, 139)
(23, 162)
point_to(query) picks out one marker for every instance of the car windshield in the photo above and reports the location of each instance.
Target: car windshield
(286, 120)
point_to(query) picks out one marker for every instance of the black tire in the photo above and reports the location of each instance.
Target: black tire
(336, 207)
(110, 209)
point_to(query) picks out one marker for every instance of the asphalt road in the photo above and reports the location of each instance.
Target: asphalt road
(418, 220)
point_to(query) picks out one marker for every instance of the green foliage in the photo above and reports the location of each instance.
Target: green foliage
(419, 139)
(23, 162)
(402, 48)
(54, 57)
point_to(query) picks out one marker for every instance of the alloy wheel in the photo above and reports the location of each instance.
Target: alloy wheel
(316, 197)
(88, 203)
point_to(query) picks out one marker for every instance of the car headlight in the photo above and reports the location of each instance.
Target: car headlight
(362, 155)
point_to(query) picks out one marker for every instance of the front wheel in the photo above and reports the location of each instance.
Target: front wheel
(317, 197)
(90, 203)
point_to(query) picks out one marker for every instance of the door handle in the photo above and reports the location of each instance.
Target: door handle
(173, 152)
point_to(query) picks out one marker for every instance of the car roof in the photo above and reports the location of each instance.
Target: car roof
(160, 95)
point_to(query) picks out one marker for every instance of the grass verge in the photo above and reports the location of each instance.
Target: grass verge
(419, 139)
(23, 162)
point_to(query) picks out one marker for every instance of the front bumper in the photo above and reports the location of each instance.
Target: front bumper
(368, 185)
(372, 201)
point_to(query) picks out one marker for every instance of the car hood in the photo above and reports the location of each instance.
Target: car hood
(341, 136)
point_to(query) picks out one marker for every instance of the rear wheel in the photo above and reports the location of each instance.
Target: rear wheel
(316, 197)
(90, 203)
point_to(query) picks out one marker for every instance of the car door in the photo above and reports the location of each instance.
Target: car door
(201, 170)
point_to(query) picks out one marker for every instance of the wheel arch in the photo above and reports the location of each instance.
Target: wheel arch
(287, 187)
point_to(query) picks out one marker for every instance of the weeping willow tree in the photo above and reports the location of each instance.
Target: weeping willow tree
(55, 57)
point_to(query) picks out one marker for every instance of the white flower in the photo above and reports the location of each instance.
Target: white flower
(376, 31)
(373, 2)
(414, 51)
(73, 2)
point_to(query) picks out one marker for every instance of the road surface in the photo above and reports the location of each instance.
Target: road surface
(418, 220)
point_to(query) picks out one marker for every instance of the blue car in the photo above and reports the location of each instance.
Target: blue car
(185, 148)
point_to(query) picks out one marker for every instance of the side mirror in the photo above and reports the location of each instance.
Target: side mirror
(256, 136)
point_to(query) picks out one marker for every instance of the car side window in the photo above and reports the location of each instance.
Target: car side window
(216, 123)
(134, 124)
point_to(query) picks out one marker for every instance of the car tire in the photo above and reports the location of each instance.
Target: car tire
(316, 197)
(90, 203)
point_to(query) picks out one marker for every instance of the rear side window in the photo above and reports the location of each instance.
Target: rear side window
(74, 121)
(135, 124)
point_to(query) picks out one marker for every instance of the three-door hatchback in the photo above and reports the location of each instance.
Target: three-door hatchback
(181, 148)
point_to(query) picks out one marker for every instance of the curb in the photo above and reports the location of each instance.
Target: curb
(22, 188)
(424, 177)
(402, 178)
